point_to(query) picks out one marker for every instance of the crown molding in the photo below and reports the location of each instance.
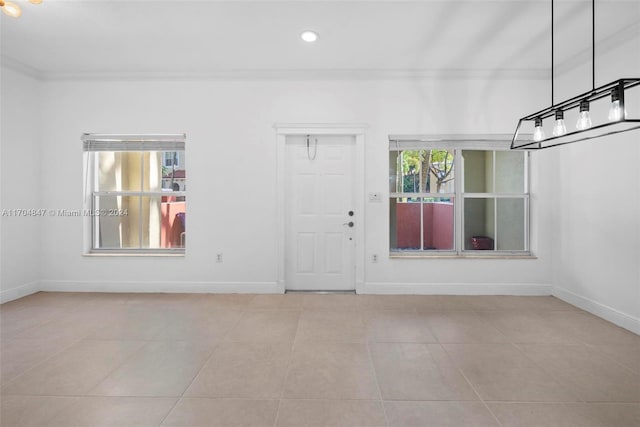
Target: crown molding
(328, 74)
(19, 67)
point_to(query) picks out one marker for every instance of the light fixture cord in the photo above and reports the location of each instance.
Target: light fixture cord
(593, 45)
(552, 66)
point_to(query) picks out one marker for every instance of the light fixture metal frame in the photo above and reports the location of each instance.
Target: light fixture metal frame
(608, 128)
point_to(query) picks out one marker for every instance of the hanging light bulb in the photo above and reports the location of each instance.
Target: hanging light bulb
(559, 129)
(35, 1)
(10, 8)
(584, 119)
(616, 112)
(538, 131)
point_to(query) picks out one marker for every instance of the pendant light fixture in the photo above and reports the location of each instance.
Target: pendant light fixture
(12, 9)
(587, 126)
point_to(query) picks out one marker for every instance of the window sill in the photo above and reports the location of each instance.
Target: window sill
(399, 255)
(133, 255)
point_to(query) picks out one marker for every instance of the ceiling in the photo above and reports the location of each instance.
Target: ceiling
(67, 38)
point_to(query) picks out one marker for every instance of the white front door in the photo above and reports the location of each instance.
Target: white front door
(320, 213)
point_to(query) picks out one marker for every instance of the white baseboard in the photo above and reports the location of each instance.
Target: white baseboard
(456, 288)
(272, 288)
(161, 287)
(617, 317)
(19, 291)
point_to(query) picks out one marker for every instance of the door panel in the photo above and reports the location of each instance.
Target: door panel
(305, 194)
(333, 253)
(319, 252)
(306, 249)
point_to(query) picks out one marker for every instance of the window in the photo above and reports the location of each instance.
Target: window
(135, 200)
(457, 196)
(171, 159)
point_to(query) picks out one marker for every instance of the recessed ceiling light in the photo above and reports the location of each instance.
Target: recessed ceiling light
(309, 36)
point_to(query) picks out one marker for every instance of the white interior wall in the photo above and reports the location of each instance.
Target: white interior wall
(232, 186)
(594, 188)
(19, 184)
(231, 162)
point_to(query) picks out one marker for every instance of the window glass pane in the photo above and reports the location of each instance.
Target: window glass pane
(163, 223)
(153, 169)
(151, 222)
(412, 171)
(173, 172)
(510, 172)
(441, 171)
(117, 222)
(405, 227)
(478, 171)
(132, 222)
(422, 223)
(479, 220)
(421, 171)
(173, 222)
(140, 171)
(119, 171)
(438, 223)
(510, 223)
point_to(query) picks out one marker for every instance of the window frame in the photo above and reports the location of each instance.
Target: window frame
(457, 144)
(95, 143)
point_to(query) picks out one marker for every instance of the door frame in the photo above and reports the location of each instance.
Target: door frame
(283, 130)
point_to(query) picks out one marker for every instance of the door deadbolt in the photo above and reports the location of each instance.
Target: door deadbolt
(350, 213)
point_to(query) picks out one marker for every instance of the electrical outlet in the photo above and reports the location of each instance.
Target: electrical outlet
(374, 258)
(219, 257)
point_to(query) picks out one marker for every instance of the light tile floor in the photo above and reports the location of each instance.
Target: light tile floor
(75, 359)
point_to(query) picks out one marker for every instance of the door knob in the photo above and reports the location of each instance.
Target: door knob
(349, 224)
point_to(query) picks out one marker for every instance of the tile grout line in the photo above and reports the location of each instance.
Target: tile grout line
(213, 350)
(86, 337)
(289, 364)
(71, 344)
(100, 381)
(592, 347)
(450, 359)
(65, 312)
(375, 376)
(65, 396)
(471, 385)
(46, 359)
(569, 387)
(125, 360)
